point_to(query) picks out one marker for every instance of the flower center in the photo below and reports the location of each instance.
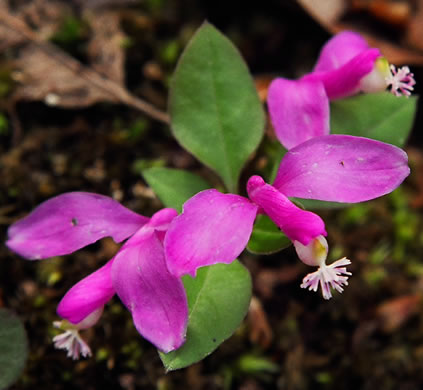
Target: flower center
(400, 81)
(70, 340)
(330, 276)
(334, 275)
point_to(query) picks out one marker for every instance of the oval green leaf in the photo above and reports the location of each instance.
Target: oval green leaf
(267, 237)
(174, 186)
(218, 300)
(13, 348)
(381, 116)
(215, 111)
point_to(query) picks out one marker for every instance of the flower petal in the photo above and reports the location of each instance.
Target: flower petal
(342, 168)
(156, 299)
(345, 81)
(68, 222)
(339, 50)
(160, 221)
(299, 110)
(297, 224)
(88, 295)
(213, 228)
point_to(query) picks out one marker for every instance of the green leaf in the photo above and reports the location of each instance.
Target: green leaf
(218, 300)
(380, 116)
(13, 348)
(266, 237)
(174, 186)
(313, 204)
(215, 111)
(274, 151)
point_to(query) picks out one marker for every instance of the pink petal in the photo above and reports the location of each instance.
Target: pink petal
(162, 219)
(299, 110)
(339, 50)
(88, 295)
(156, 299)
(213, 228)
(68, 222)
(297, 224)
(345, 81)
(160, 222)
(92, 292)
(342, 168)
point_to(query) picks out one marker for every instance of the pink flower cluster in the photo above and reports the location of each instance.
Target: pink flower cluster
(215, 227)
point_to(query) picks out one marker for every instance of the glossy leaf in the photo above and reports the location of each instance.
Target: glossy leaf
(215, 110)
(174, 186)
(380, 116)
(267, 237)
(218, 300)
(312, 204)
(13, 348)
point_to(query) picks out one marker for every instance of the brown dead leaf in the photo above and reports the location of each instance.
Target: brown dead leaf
(45, 72)
(262, 84)
(105, 48)
(326, 12)
(415, 28)
(267, 279)
(392, 12)
(394, 313)
(8, 37)
(44, 16)
(260, 330)
(45, 76)
(388, 317)
(416, 159)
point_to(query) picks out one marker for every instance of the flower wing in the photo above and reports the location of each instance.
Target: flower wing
(213, 228)
(68, 222)
(299, 110)
(88, 295)
(155, 297)
(342, 168)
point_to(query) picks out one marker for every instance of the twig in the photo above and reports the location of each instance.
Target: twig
(81, 71)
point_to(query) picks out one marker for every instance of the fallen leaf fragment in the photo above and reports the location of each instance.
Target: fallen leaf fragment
(326, 12)
(268, 279)
(44, 76)
(47, 73)
(105, 48)
(260, 330)
(394, 313)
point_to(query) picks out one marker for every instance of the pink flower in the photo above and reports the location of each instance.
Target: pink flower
(299, 109)
(347, 65)
(215, 227)
(137, 273)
